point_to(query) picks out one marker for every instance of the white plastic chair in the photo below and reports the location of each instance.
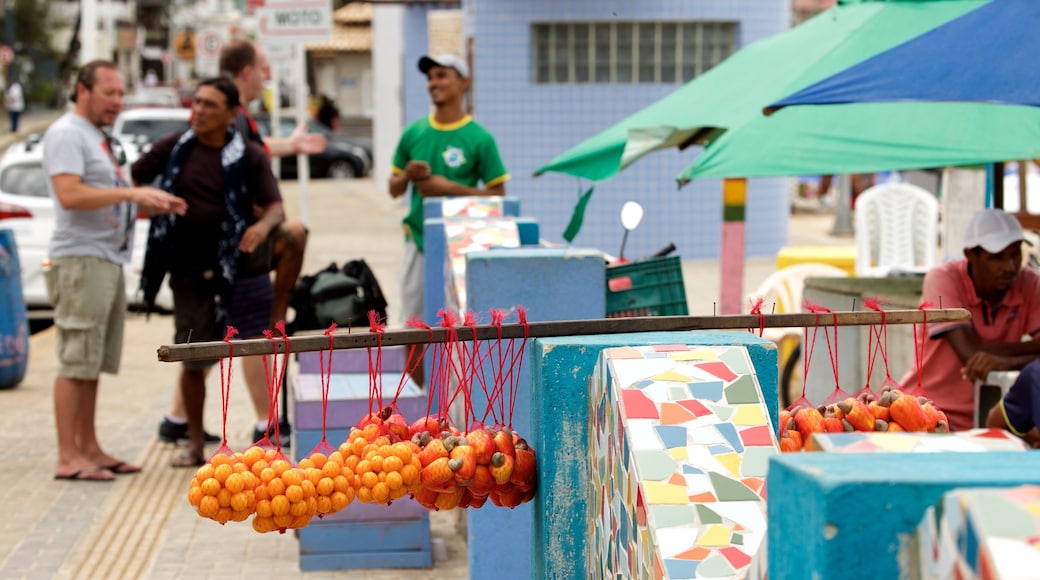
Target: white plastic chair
(896, 230)
(784, 289)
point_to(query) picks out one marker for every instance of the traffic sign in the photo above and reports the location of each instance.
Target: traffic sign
(207, 51)
(306, 21)
(210, 42)
(6, 54)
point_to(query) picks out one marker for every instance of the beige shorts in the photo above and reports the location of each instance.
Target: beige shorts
(411, 283)
(89, 298)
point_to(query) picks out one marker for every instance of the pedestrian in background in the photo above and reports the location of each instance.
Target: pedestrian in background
(95, 211)
(209, 252)
(445, 154)
(14, 101)
(328, 114)
(246, 64)
(1004, 301)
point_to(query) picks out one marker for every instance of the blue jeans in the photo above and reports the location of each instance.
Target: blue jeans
(14, 120)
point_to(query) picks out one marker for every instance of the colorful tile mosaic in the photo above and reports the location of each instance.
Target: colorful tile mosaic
(970, 440)
(991, 533)
(681, 441)
(465, 235)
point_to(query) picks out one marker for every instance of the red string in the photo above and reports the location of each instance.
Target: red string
(274, 380)
(756, 308)
(225, 379)
(838, 393)
(877, 343)
(326, 377)
(810, 348)
(416, 323)
(515, 363)
(919, 349)
(496, 354)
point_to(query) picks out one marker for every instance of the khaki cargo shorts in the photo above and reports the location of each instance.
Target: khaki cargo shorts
(89, 298)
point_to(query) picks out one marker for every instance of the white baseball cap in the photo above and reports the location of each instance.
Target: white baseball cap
(992, 230)
(446, 61)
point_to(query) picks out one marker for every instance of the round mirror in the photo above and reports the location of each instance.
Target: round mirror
(631, 215)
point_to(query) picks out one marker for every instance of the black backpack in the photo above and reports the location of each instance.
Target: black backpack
(341, 295)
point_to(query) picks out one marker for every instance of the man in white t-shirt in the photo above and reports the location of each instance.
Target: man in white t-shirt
(95, 210)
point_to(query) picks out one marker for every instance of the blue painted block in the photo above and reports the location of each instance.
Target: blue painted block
(434, 207)
(366, 561)
(303, 441)
(348, 399)
(365, 537)
(435, 251)
(560, 372)
(552, 285)
(353, 360)
(839, 516)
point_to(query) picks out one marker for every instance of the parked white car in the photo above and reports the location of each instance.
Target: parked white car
(137, 129)
(27, 209)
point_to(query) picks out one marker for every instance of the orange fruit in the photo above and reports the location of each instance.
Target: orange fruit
(276, 487)
(234, 483)
(222, 471)
(208, 507)
(294, 493)
(279, 505)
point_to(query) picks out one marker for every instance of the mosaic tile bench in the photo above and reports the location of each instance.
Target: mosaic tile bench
(681, 444)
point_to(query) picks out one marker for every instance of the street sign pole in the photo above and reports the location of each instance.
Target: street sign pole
(303, 166)
(296, 22)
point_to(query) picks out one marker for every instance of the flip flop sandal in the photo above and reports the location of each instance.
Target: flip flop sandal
(122, 468)
(188, 459)
(84, 475)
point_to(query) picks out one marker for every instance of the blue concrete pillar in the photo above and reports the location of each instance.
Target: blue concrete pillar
(435, 251)
(834, 515)
(553, 285)
(560, 372)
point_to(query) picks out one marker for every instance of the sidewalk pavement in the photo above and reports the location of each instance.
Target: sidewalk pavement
(141, 526)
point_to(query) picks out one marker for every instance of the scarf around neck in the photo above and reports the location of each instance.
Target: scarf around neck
(232, 225)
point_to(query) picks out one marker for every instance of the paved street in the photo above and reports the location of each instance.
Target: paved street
(141, 526)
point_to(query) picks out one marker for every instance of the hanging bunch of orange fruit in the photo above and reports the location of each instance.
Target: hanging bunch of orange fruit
(223, 489)
(334, 482)
(465, 470)
(892, 411)
(385, 463)
(285, 497)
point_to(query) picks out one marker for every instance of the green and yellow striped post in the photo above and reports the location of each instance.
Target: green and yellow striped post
(731, 256)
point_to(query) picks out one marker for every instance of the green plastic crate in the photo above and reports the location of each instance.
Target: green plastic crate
(652, 287)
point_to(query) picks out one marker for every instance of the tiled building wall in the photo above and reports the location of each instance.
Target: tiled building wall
(534, 123)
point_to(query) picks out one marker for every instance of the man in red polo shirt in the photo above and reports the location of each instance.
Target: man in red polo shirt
(1004, 301)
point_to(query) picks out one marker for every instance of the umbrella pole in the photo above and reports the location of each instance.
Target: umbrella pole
(843, 211)
(731, 262)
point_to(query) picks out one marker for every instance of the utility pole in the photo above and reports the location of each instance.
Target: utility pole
(88, 19)
(9, 22)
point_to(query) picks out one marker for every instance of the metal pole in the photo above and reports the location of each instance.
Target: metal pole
(843, 213)
(9, 22)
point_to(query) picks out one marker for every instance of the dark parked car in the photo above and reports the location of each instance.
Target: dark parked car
(343, 158)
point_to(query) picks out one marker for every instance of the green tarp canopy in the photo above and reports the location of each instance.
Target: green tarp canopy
(869, 137)
(733, 94)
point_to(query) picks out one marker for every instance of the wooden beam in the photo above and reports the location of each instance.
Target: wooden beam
(343, 339)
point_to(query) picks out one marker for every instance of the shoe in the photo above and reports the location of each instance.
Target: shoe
(170, 432)
(284, 431)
